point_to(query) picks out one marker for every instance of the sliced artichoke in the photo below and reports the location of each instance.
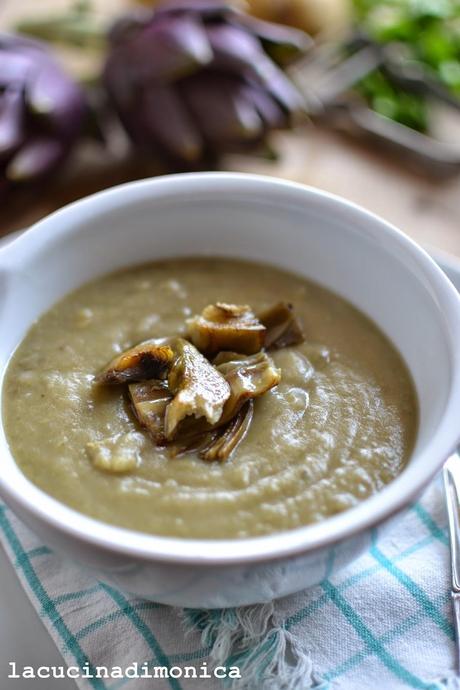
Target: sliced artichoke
(198, 388)
(151, 359)
(283, 327)
(248, 376)
(149, 400)
(226, 327)
(195, 386)
(193, 443)
(231, 436)
(188, 403)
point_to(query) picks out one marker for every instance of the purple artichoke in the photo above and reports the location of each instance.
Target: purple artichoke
(41, 111)
(196, 78)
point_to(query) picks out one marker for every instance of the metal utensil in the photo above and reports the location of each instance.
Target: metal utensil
(451, 474)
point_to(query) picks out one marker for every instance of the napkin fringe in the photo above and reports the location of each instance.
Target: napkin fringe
(268, 656)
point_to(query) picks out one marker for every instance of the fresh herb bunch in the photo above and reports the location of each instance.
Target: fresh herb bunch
(427, 33)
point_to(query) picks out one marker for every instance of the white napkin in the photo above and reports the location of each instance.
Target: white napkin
(385, 622)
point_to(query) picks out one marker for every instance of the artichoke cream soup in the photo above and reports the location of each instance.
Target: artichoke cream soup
(208, 398)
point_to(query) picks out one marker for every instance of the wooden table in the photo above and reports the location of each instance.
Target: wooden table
(426, 210)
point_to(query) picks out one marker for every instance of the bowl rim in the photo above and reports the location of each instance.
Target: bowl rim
(35, 504)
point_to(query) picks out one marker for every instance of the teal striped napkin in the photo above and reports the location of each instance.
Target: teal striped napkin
(383, 623)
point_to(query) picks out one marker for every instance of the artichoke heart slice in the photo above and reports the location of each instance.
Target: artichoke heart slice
(283, 327)
(231, 435)
(248, 377)
(149, 400)
(198, 388)
(224, 326)
(151, 359)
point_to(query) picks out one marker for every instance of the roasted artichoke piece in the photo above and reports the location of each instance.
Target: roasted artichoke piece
(188, 403)
(231, 435)
(193, 443)
(248, 376)
(220, 441)
(198, 388)
(149, 400)
(283, 327)
(195, 386)
(226, 327)
(151, 359)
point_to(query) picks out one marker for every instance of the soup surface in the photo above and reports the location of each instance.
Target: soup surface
(338, 427)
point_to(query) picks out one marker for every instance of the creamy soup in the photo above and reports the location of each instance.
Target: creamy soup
(339, 425)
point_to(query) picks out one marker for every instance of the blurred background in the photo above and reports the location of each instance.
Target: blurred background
(358, 97)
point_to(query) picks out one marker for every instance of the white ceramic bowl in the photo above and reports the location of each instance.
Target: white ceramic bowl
(304, 230)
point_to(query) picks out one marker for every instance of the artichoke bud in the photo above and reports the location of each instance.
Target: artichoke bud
(194, 79)
(42, 111)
